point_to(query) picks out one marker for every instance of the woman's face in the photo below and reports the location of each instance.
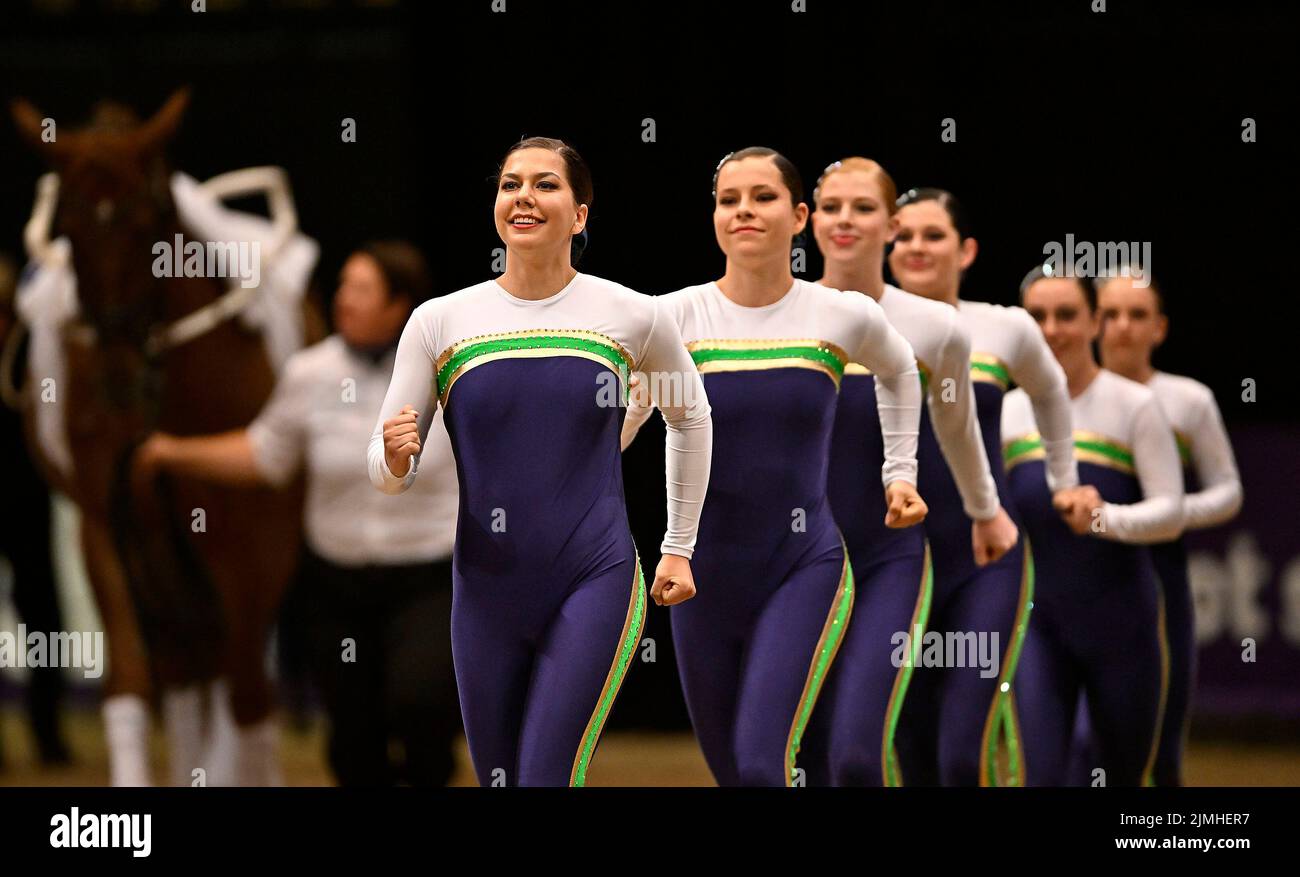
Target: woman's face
(1132, 324)
(753, 217)
(535, 210)
(1058, 305)
(928, 257)
(852, 223)
(364, 312)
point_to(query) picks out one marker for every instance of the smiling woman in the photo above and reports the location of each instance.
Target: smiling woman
(853, 222)
(950, 724)
(757, 646)
(579, 178)
(1099, 614)
(549, 595)
(1133, 326)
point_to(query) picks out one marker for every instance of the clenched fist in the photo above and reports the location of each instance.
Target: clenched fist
(906, 508)
(673, 581)
(1077, 505)
(992, 539)
(401, 440)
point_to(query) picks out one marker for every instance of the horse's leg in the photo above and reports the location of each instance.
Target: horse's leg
(244, 729)
(187, 647)
(183, 647)
(254, 601)
(251, 696)
(250, 549)
(182, 687)
(127, 687)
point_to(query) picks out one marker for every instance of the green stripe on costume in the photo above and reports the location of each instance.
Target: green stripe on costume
(560, 343)
(827, 646)
(1088, 447)
(920, 617)
(703, 355)
(994, 720)
(1119, 455)
(987, 370)
(628, 643)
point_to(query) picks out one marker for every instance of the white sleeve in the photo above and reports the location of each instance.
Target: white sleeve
(1158, 517)
(411, 384)
(1043, 379)
(279, 432)
(678, 392)
(637, 413)
(898, 392)
(952, 413)
(1219, 498)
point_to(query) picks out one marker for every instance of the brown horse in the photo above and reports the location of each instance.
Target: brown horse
(188, 577)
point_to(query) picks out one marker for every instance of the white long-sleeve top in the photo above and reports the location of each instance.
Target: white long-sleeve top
(645, 337)
(943, 347)
(1118, 423)
(808, 313)
(1203, 442)
(1008, 347)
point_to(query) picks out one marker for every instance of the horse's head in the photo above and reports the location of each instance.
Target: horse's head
(114, 205)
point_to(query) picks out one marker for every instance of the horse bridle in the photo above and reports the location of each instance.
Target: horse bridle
(250, 181)
(236, 184)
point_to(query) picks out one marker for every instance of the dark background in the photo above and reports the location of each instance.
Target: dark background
(1122, 125)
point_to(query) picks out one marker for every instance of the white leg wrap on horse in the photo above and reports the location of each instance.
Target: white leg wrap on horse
(126, 730)
(259, 763)
(221, 755)
(182, 710)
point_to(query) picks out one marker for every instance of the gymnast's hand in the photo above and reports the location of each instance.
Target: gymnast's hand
(1077, 506)
(401, 440)
(906, 508)
(673, 581)
(993, 538)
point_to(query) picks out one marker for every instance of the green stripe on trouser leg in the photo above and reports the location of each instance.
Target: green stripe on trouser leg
(827, 645)
(631, 637)
(893, 775)
(1011, 739)
(994, 723)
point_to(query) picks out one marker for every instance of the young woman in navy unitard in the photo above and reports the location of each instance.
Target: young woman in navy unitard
(952, 721)
(776, 590)
(853, 222)
(1098, 621)
(1133, 325)
(531, 369)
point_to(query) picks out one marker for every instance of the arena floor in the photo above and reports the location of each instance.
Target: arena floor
(625, 759)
